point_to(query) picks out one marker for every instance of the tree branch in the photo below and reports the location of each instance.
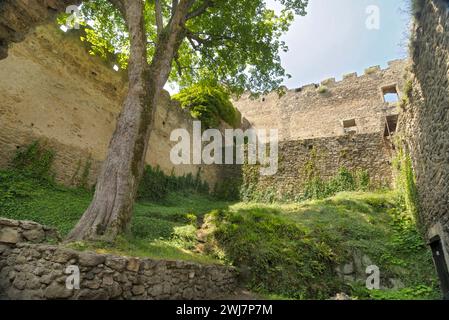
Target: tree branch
(193, 36)
(201, 9)
(178, 65)
(159, 19)
(174, 4)
(168, 46)
(120, 6)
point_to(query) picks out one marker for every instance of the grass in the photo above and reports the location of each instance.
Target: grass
(291, 250)
(287, 251)
(163, 230)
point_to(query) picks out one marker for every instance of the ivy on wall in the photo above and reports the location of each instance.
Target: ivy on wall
(156, 185)
(406, 181)
(34, 160)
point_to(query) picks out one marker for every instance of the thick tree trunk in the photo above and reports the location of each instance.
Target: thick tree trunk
(111, 209)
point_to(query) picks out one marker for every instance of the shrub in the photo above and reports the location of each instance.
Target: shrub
(210, 104)
(228, 190)
(156, 185)
(276, 254)
(322, 89)
(344, 180)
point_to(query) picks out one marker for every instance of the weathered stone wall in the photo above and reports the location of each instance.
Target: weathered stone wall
(18, 17)
(368, 152)
(38, 271)
(52, 89)
(312, 117)
(309, 112)
(12, 232)
(425, 120)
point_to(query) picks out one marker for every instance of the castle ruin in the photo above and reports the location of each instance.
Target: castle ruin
(336, 124)
(347, 123)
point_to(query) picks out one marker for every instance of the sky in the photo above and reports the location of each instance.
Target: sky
(333, 39)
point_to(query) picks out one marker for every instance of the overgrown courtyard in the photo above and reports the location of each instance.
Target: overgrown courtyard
(283, 250)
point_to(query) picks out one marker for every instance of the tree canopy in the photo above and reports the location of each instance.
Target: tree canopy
(235, 43)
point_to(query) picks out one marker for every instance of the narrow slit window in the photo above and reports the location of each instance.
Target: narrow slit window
(349, 125)
(390, 94)
(391, 124)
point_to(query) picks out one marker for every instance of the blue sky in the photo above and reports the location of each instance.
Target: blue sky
(333, 39)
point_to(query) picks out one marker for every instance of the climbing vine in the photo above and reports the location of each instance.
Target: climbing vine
(156, 185)
(34, 160)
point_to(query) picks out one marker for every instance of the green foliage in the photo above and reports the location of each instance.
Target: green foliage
(233, 42)
(210, 104)
(408, 94)
(156, 185)
(81, 180)
(102, 37)
(165, 230)
(408, 88)
(250, 193)
(228, 189)
(314, 187)
(279, 255)
(405, 182)
(421, 292)
(85, 174)
(406, 236)
(322, 89)
(34, 160)
(26, 198)
(291, 250)
(158, 230)
(344, 180)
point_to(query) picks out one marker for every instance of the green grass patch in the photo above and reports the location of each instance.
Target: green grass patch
(292, 250)
(284, 250)
(161, 230)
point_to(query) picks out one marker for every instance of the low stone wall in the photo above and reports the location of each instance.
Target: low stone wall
(40, 271)
(12, 232)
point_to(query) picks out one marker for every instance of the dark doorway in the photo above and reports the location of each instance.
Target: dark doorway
(440, 264)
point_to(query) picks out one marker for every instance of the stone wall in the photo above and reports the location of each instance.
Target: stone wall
(39, 271)
(52, 89)
(313, 118)
(318, 110)
(425, 120)
(12, 232)
(18, 17)
(368, 152)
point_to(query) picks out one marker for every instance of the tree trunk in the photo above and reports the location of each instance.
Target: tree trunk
(111, 209)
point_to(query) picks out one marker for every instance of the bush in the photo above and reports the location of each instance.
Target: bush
(276, 254)
(228, 190)
(344, 180)
(156, 185)
(210, 104)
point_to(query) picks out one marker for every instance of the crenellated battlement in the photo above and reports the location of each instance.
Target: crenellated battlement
(352, 76)
(322, 109)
